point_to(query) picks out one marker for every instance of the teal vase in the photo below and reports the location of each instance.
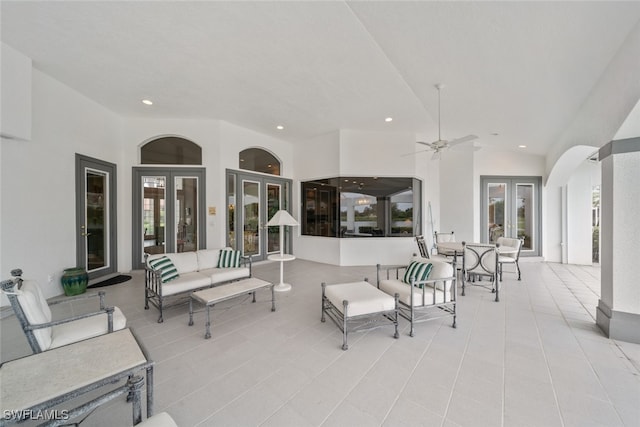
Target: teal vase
(74, 281)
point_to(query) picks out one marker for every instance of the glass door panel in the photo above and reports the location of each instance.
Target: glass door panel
(154, 212)
(525, 215)
(231, 211)
(496, 211)
(186, 213)
(96, 228)
(273, 206)
(251, 217)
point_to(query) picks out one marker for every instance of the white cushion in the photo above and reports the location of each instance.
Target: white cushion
(393, 286)
(363, 298)
(506, 259)
(219, 275)
(186, 282)
(439, 270)
(207, 258)
(185, 262)
(86, 328)
(509, 242)
(36, 310)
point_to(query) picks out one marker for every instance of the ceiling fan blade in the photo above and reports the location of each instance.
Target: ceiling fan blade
(428, 144)
(463, 139)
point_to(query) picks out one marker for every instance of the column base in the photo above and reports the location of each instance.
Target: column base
(618, 325)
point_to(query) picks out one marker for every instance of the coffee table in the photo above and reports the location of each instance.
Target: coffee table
(33, 385)
(358, 306)
(211, 296)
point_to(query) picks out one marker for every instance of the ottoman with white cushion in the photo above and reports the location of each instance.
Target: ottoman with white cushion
(358, 306)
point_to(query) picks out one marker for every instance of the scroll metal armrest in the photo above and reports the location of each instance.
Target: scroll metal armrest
(107, 310)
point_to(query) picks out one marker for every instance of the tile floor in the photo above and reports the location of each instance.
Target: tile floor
(536, 358)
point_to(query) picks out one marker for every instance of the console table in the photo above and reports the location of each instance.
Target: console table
(34, 384)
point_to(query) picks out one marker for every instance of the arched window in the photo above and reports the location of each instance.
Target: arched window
(258, 160)
(171, 150)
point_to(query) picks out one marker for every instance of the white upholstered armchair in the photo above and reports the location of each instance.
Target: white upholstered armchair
(43, 333)
(509, 253)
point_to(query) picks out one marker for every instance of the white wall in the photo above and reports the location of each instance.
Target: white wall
(579, 202)
(376, 153)
(457, 194)
(38, 180)
(16, 106)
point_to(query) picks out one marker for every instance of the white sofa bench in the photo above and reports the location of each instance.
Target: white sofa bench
(196, 270)
(422, 300)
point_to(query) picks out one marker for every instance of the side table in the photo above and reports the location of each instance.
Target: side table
(281, 287)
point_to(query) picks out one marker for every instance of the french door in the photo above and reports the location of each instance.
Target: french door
(168, 211)
(252, 201)
(96, 248)
(511, 207)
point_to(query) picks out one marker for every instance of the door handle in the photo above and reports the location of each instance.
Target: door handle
(83, 234)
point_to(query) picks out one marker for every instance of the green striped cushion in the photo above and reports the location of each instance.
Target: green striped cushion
(166, 267)
(418, 270)
(229, 258)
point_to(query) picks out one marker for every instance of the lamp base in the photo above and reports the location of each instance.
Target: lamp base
(282, 287)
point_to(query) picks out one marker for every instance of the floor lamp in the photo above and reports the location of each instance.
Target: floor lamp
(282, 218)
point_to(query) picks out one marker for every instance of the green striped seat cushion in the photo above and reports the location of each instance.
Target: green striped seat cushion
(229, 258)
(165, 266)
(417, 270)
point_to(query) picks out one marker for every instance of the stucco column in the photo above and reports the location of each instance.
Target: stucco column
(618, 313)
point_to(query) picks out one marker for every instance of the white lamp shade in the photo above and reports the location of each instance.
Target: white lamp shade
(282, 217)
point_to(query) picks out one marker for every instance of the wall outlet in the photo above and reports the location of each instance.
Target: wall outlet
(50, 278)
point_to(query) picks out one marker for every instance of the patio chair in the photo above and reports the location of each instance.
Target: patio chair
(509, 253)
(43, 333)
(478, 261)
(444, 238)
(424, 252)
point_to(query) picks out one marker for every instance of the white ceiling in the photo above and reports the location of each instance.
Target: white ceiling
(519, 69)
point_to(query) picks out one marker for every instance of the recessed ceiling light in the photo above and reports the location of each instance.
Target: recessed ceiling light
(522, 146)
(279, 127)
(147, 102)
(495, 134)
(388, 119)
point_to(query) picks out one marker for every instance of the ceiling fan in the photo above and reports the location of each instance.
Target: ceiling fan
(442, 144)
